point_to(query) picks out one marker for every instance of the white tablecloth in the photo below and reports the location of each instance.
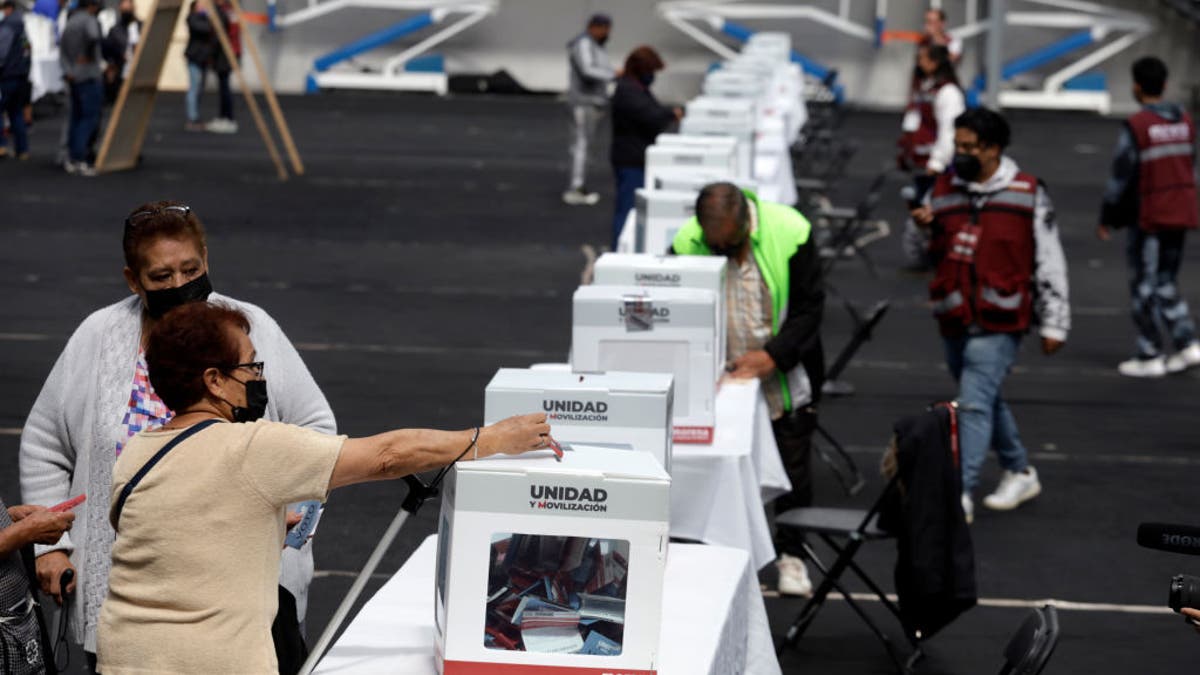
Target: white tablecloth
(713, 620)
(718, 490)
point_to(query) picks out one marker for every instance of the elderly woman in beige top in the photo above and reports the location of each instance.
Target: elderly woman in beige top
(195, 563)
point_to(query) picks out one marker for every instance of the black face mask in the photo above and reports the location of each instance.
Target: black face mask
(127, 18)
(256, 402)
(164, 300)
(729, 251)
(646, 80)
(967, 167)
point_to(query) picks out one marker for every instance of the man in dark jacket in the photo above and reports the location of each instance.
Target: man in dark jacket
(1152, 190)
(637, 119)
(775, 298)
(14, 75)
(119, 46)
(79, 55)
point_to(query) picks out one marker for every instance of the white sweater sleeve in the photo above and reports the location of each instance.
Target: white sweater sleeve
(46, 457)
(948, 105)
(1051, 300)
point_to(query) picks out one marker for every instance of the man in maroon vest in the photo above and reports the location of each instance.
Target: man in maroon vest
(988, 229)
(1153, 190)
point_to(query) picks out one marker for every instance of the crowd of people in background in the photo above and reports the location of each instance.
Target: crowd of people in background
(95, 65)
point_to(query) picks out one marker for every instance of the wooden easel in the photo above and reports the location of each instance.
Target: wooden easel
(125, 132)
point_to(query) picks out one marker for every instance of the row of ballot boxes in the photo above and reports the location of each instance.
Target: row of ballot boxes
(551, 565)
(740, 129)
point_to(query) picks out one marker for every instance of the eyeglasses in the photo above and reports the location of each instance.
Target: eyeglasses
(255, 367)
(180, 210)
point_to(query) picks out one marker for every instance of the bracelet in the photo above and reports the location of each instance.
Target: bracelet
(475, 443)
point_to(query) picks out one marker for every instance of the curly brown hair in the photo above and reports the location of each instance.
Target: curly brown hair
(155, 220)
(187, 341)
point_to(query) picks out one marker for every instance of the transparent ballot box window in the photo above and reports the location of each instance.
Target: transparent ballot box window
(557, 595)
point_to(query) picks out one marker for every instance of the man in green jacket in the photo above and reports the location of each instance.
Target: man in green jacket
(774, 297)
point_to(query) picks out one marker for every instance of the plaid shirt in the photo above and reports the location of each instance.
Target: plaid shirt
(748, 317)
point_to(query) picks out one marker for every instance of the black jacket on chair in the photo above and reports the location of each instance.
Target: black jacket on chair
(935, 562)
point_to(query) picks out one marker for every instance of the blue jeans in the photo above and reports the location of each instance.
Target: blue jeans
(86, 99)
(979, 363)
(1154, 261)
(195, 88)
(629, 179)
(12, 97)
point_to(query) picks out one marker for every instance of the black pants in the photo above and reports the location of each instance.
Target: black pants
(793, 435)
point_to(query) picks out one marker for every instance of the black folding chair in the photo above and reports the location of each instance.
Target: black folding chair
(844, 531)
(1031, 648)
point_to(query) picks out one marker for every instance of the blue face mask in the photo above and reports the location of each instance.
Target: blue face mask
(647, 80)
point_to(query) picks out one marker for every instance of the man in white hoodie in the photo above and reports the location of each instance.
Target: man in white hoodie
(590, 73)
(989, 231)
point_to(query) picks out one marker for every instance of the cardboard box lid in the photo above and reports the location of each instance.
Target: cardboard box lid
(580, 459)
(667, 294)
(613, 381)
(701, 263)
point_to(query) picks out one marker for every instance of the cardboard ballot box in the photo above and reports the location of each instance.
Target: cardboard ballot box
(707, 155)
(653, 330)
(670, 271)
(612, 409)
(659, 215)
(549, 568)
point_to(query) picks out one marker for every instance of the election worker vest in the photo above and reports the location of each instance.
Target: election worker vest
(1166, 183)
(917, 144)
(781, 231)
(984, 247)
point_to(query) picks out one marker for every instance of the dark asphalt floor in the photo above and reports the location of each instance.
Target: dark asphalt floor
(426, 247)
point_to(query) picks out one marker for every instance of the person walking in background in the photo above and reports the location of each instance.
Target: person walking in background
(590, 73)
(926, 143)
(199, 54)
(936, 34)
(990, 233)
(1152, 191)
(119, 47)
(776, 298)
(14, 76)
(81, 60)
(223, 123)
(637, 119)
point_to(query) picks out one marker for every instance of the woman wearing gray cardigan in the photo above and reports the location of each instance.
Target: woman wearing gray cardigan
(98, 396)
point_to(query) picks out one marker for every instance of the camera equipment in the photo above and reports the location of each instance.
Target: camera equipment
(1183, 539)
(1185, 592)
(1185, 589)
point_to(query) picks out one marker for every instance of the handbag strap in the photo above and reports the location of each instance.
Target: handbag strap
(137, 477)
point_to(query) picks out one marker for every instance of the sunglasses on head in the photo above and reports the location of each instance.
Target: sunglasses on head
(135, 218)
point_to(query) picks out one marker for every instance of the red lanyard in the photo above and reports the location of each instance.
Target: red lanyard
(952, 408)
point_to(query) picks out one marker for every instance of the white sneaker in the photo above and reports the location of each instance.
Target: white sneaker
(968, 507)
(1185, 358)
(580, 197)
(1155, 367)
(1014, 489)
(221, 125)
(793, 576)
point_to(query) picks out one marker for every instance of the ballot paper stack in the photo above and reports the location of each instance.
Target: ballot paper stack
(654, 330)
(544, 566)
(613, 409)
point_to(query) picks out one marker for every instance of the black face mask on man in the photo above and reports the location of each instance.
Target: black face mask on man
(256, 401)
(967, 167)
(728, 250)
(161, 301)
